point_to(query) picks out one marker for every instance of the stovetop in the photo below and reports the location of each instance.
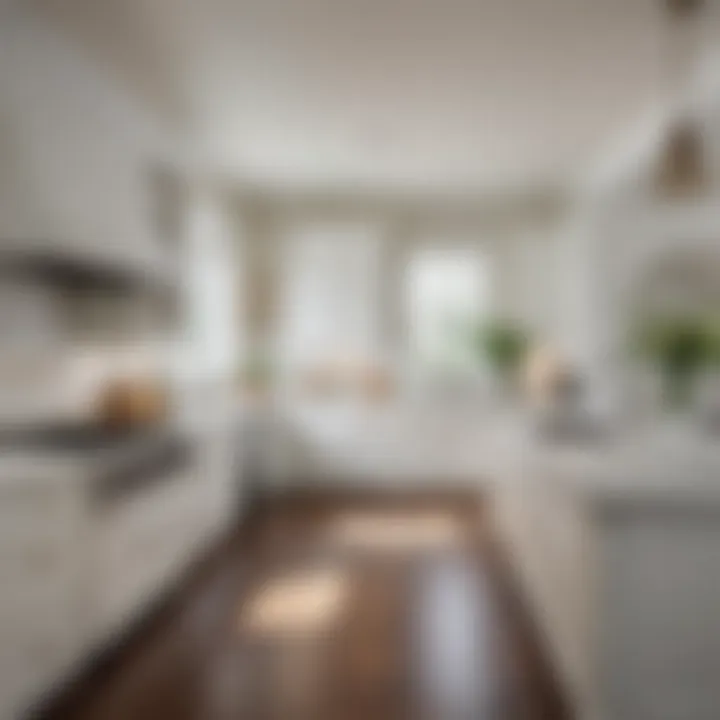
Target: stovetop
(122, 461)
(69, 438)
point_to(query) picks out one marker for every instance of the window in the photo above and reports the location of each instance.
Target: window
(329, 285)
(447, 291)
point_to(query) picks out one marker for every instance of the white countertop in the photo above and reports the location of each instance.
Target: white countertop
(663, 463)
(62, 465)
(666, 461)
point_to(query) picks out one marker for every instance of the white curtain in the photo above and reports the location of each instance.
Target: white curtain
(330, 290)
(212, 337)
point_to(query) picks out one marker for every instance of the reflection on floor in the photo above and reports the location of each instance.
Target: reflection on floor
(323, 612)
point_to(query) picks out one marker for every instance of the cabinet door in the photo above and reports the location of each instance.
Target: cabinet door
(660, 638)
(143, 541)
(40, 625)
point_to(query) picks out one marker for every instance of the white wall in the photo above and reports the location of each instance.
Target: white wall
(618, 249)
(623, 230)
(74, 155)
(529, 271)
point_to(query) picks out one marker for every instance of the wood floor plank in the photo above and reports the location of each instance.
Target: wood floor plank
(423, 633)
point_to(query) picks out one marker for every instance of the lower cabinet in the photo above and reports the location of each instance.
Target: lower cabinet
(549, 538)
(74, 575)
(42, 628)
(624, 592)
(143, 542)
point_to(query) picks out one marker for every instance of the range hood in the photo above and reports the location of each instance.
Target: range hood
(85, 269)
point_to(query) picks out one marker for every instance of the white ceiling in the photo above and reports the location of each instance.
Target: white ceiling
(473, 93)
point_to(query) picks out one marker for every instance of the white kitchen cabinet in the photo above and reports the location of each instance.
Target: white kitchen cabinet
(617, 557)
(76, 149)
(142, 543)
(78, 567)
(42, 628)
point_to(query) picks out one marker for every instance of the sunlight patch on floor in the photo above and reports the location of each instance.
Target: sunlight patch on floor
(400, 532)
(298, 604)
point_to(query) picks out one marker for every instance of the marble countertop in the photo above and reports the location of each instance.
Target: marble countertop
(658, 464)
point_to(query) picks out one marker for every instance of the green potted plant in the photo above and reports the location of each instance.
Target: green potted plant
(504, 344)
(681, 348)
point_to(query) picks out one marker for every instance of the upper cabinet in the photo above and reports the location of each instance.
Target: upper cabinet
(74, 150)
(88, 204)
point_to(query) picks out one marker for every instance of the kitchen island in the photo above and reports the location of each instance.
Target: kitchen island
(616, 549)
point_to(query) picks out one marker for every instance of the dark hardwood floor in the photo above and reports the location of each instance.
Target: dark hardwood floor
(389, 624)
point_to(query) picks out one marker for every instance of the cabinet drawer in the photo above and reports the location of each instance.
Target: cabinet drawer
(33, 515)
(45, 604)
(36, 555)
(31, 663)
(35, 573)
